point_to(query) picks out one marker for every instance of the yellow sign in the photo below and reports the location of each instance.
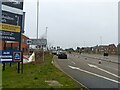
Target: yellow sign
(10, 28)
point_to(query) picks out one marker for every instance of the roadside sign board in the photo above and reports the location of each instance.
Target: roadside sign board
(13, 3)
(11, 23)
(17, 56)
(10, 55)
(41, 42)
(9, 36)
(10, 26)
(11, 18)
(0, 12)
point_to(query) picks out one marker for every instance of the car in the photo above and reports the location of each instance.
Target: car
(62, 56)
(54, 52)
(105, 54)
(59, 52)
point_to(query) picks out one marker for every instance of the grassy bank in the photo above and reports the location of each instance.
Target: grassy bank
(35, 76)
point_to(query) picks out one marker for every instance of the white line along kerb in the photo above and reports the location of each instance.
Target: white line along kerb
(76, 68)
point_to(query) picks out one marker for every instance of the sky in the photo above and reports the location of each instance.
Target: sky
(73, 23)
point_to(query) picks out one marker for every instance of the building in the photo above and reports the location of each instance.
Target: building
(8, 45)
(118, 49)
(112, 49)
(101, 49)
(86, 49)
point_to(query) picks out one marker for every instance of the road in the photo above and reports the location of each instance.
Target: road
(89, 72)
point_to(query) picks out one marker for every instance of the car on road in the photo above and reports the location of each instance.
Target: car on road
(105, 54)
(54, 52)
(59, 52)
(62, 55)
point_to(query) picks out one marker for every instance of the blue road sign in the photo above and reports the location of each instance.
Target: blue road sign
(10, 56)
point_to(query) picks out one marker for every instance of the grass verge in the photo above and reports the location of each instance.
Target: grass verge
(35, 75)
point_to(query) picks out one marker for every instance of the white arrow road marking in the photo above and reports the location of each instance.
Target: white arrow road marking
(103, 70)
(76, 68)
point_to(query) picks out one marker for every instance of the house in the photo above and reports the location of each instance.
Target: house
(101, 49)
(86, 49)
(112, 49)
(118, 49)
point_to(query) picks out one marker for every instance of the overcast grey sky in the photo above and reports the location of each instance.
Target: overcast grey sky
(73, 23)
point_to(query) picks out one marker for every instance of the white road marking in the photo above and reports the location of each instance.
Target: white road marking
(73, 62)
(76, 68)
(103, 70)
(105, 66)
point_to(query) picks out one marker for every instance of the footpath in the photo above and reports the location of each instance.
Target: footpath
(110, 58)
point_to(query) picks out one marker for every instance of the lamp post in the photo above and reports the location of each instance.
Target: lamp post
(101, 40)
(37, 17)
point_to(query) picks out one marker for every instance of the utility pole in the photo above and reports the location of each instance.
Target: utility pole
(84, 43)
(46, 32)
(101, 40)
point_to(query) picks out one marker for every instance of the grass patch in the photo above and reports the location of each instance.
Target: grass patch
(35, 75)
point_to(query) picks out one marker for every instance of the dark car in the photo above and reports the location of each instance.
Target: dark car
(54, 52)
(62, 56)
(105, 54)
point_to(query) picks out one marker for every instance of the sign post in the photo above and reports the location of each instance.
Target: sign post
(11, 56)
(40, 42)
(43, 52)
(11, 26)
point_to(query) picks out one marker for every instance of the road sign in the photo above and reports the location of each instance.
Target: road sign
(10, 55)
(41, 42)
(13, 3)
(11, 18)
(0, 12)
(17, 56)
(10, 26)
(11, 23)
(9, 36)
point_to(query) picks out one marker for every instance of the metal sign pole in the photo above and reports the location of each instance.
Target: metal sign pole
(4, 49)
(11, 49)
(19, 49)
(22, 64)
(43, 53)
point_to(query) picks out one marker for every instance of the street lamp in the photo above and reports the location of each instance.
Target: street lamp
(37, 17)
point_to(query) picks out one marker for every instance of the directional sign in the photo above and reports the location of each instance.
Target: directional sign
(9, 36)
(10, 55)
(13, 3)
(0, 12)
(11, 23)
(11, 18)
(10, 26)
(38, 42)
